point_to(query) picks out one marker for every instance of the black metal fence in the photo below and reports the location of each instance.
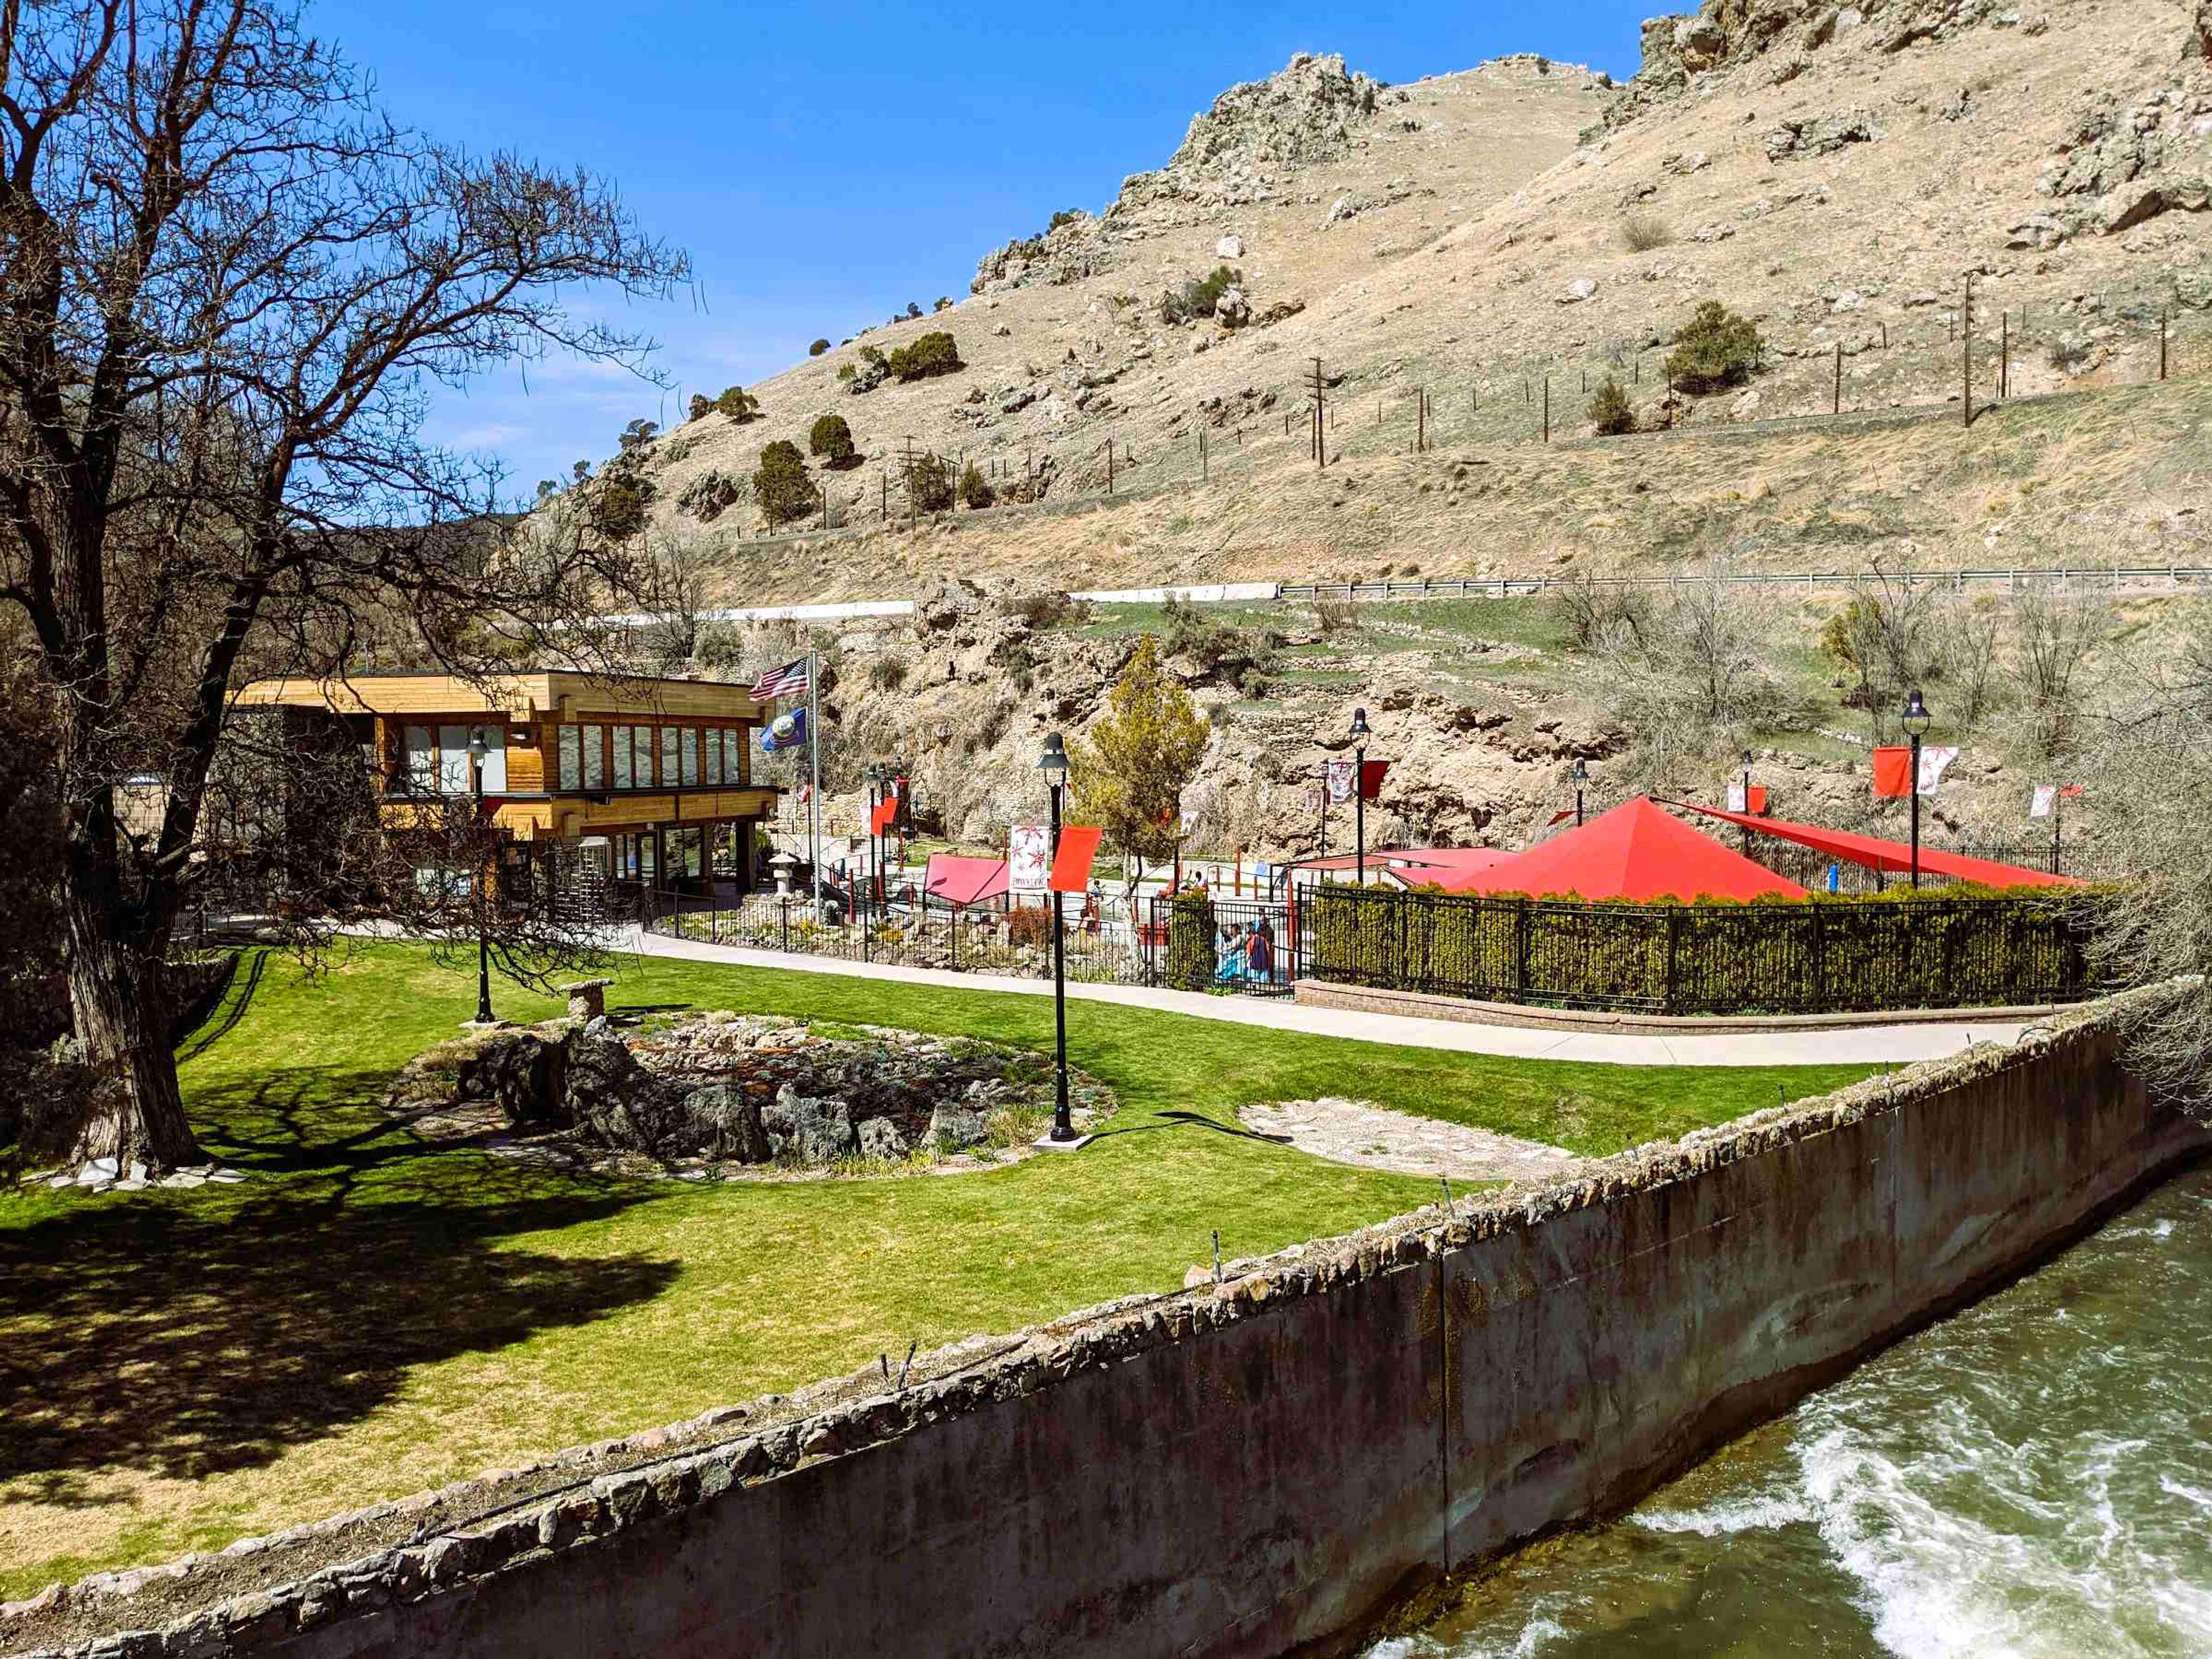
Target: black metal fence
(1820, 956)
(1244, 947)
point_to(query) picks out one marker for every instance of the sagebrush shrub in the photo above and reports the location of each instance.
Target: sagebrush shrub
(1644, 232)
(1610, 411)
(1716, 348)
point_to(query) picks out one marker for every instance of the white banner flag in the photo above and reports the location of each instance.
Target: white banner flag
(2040, 807)
(1341, 776)
(1932, 763)
(1029, 858)
(1735, 801)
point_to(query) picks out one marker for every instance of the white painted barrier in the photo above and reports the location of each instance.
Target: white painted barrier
(1202, 593)
(844, 610)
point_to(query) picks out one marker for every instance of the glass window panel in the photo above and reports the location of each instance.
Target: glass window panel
(714, 757)
(495, 760)
(421, 775)
(642, 738)
(733, 757)
(453, 760)
(667, 757)
(595, 758)
(623, 769)
(690, 756)
(572, 758)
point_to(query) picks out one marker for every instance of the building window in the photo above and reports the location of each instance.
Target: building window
(623, 770)
(690, 757)
(733, 755)
(667, 757)
(595, 758)
(713, 741)
(495, 760)
(419, 763)
(572, 757)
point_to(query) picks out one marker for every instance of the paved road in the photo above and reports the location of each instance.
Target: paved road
(1866, 1045)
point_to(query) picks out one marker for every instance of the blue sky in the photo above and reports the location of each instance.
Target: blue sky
(824, 166)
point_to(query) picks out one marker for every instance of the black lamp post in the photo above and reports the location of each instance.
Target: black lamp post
(1054, 764)
(868, 865)
(1359, 797)
(1581, 776)
(478, 877)
(1914, 720)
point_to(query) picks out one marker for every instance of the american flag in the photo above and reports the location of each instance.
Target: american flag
(789, 681)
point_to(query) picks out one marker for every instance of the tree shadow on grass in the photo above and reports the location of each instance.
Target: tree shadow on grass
(185, 1334)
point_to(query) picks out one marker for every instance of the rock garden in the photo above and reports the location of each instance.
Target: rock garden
(736, 1097)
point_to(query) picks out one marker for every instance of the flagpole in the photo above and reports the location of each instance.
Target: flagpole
(814, 756)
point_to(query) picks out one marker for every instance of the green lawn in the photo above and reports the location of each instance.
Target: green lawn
(367, 1316)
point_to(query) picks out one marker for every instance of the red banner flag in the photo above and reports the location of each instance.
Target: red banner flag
(1560, 817)
(1755, 800)
(882, 816)
(1371, 779)
(1071, 864)
(1892, 772)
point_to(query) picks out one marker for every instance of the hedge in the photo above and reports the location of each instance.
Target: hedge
(1820, 955)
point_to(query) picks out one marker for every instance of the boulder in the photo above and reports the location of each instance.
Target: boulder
(808, 1131)
(722, 1120)
(952, 1126)
(1578, 290)
(2133, 205)
(521, 1072)
(878, 1137)
(611, 1098)
(1233, 309)
(1229, 247)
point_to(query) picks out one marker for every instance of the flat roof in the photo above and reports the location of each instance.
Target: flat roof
(564, 693)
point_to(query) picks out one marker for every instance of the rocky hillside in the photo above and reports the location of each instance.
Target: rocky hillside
(1834, 174)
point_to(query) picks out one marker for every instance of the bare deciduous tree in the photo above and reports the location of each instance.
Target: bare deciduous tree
(1690, 680)
(2147, 768)
(2053, 635)
(226, 282)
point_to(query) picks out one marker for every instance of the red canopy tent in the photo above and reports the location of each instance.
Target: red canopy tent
(1635, 851)
(1893, 856)
(961, 882)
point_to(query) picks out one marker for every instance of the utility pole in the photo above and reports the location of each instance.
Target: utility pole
(913, 513)
(1320, 423)
(1967, 349)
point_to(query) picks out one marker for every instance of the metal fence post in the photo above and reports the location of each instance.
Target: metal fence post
(1521, 950)
(783, 906)
(1673, 940)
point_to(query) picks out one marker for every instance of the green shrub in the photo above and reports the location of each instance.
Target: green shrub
(832, 440)
(975, 489)
(929, 482)
(1065, 216)
(1610, 411)
(1197, 297)
(636, 434)
(1716, 348)
(817, 348)
(782, 485)
(739, 404)
(700, 405)
(887, 673)
(618, 509)
(846, 371)
(934, 353)
(944, 302)
(1191, 960)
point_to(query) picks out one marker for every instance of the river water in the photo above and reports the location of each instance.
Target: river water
(2031, 1477)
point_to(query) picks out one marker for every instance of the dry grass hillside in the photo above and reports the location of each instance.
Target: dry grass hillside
(1832, 175)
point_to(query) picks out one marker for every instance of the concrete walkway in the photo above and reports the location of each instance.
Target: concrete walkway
(1866, 1045)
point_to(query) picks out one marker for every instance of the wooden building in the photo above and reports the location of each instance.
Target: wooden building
(645, 781)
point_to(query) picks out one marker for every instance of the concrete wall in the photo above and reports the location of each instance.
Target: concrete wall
(1254, 1469)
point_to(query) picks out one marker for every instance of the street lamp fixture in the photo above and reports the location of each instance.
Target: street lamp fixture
(1054, 764)
(1359, 735)
(478, 880)
(1916, 720)
(1581, 776)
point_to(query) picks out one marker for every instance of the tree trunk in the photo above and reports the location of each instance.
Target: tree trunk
(134, 1113)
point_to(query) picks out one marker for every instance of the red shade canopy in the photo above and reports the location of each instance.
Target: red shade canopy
(1636, 851)
(961, 881)
(1893, 856)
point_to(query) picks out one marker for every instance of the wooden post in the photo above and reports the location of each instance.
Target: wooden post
(2004, 354)
(1420, 419)
(2161, 342)
(1320, 424)
(1203, 474)
(1548, 409)
(1885, 337)
(1836, 396)
(1967, 349)
(1109, 464)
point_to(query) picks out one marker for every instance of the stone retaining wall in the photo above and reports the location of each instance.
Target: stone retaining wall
(1257, 1468)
